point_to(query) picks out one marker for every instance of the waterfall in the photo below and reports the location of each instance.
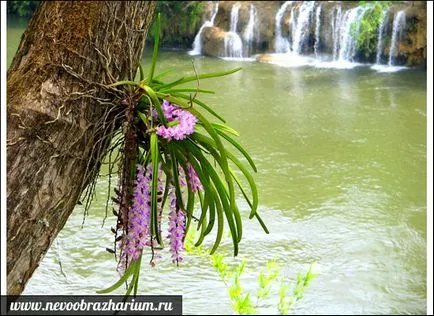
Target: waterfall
(302, 29)
(197, 44)
(336, 24)
(249, 32)
(281, 44)
(398, 26)
(347, 41)
(317, 30)
(293, 24)
(233, 42)
(233, 45)
(380, 41)
(235, 12)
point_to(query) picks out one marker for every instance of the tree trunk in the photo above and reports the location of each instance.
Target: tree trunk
(61, 115)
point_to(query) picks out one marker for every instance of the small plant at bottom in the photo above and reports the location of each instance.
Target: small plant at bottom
(243, 302)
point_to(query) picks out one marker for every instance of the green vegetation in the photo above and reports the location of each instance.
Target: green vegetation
(180, 21)
(366, 30)
(22, 9)
(245, 302)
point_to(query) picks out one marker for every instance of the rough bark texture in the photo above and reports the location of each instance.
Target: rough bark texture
(61, 115)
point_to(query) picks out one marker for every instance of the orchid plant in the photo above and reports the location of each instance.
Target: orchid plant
(174, 156)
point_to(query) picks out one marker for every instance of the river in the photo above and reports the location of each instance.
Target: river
(341, 157)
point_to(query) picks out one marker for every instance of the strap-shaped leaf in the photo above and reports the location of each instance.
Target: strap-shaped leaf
(203, 173)
(135, 280)
(169, 85)
(155, 52)
(238, 182)
(208, 196)
(219, 146)
(141, 72)
(162, 75)
(175, 175)
(210, 144)
(199, 103)
(156, 103)
(210, 75)
(239, 147)
(234, 207)
(125, 82)
(122, 280)
(155, 154)
(171, 91)
(220, 228)
(225, 128)
(190, 200)
(221, 190)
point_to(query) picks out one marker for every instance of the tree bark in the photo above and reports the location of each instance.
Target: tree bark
(61, 114)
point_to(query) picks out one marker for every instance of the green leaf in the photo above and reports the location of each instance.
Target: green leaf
(124, 82)
(155, 52)
(171, 91)
(224, 128)
(175, 175)
(239, 147)
(209, 144)
(190, 201)
(219, 192)
(154, 187)
(169, 85)
(210, 75)
(197, 101)
(162, 74)
(261, 222)
(225, 167)
(141, 72)
(156, 103)
(222, 192)
(135, 280)
(142, 116)
(122, 280)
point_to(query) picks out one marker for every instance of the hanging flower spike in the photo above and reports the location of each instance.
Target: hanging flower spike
(181, 177)
(181, 122)
(138, 222)
(176, 228)
(193, 179)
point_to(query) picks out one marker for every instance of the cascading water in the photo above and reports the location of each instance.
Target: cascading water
(325, 28)
(233, 42)
(398, 26)
(249, 32)
(336, 25)
(380, 42)
(233, 45)
(293, 23)
(235, 12)
(317, 30)
(197, 44)
(347, 40)
(281, 44)
(302, 29)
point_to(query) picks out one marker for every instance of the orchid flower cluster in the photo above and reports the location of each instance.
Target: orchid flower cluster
(139, 213)
(175, 169)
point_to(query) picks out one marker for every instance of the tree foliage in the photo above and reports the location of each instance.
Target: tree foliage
(180, 21)
(365, 31)
(23, 9)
